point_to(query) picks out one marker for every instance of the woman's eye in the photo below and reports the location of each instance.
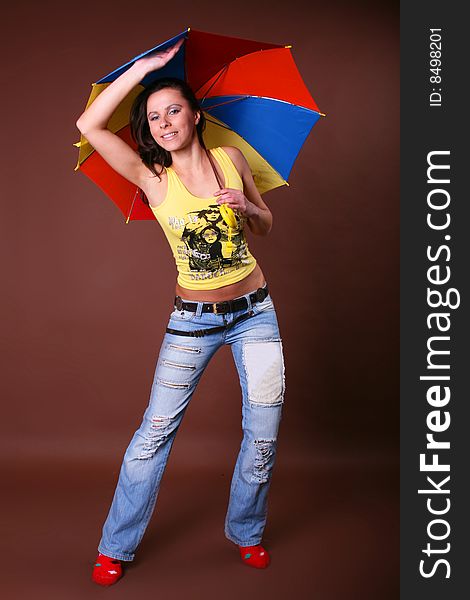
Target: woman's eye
(154, 118)
(173, 110)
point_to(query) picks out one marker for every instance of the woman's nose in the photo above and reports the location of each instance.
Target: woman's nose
(164, 122)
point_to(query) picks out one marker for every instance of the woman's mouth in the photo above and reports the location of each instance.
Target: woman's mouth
(169, 136)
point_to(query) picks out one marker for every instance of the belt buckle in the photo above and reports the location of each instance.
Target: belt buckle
(261, 294)
(221, 311)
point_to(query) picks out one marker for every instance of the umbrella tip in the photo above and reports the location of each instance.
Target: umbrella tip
(288, 46)
(189, 29)
(322, 114)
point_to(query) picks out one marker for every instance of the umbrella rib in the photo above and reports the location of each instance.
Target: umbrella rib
(290, 103)
(219, 124)
(207, 109)
(226, 102)
(132, 205)
(222, 71)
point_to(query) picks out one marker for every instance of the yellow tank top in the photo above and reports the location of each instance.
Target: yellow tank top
(208, 253)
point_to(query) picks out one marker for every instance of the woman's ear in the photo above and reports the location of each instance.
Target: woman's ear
(197, 117)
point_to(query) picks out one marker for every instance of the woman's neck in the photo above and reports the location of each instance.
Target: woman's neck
(189, 160)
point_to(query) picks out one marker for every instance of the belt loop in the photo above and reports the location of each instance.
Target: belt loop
(248, 300)
(199, 309)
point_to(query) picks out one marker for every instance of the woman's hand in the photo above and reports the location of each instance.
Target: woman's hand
(249, 202)
(93, 123)
(237, 201)
(159, 58)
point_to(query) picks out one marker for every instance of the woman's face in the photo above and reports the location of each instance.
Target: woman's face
(212, 215)
(210, 236)
(171, 119)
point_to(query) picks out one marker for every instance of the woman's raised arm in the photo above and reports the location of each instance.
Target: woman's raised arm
(94, 121)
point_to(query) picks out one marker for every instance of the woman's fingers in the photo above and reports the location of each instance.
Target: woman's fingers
(160, 58)
(234, 204)
(227, 200)
(228, 197)
(228, 193)
(233, 198)
(170, 52)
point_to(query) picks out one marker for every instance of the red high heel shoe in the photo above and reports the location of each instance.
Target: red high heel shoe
(255, 556)
(106, 570)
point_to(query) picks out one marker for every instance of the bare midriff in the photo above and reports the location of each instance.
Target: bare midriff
(249, 284)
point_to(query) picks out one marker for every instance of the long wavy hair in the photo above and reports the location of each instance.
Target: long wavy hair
(150, 152)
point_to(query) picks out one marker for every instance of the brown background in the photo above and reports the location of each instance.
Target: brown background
(86, 299)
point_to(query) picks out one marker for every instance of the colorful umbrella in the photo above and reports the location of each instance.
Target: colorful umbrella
(252, 95)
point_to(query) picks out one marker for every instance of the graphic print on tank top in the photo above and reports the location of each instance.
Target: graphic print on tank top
(209, 244)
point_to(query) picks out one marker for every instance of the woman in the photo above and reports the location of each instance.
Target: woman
(221, 298)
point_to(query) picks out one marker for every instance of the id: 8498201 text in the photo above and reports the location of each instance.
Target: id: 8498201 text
(435, 67)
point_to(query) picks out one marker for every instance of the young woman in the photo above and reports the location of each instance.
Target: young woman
(202, 199)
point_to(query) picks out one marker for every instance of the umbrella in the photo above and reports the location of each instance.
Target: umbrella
(251, 93)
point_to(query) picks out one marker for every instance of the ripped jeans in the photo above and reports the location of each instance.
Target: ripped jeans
(257, 350)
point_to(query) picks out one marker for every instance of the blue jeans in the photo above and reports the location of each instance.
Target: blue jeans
(257, 350)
